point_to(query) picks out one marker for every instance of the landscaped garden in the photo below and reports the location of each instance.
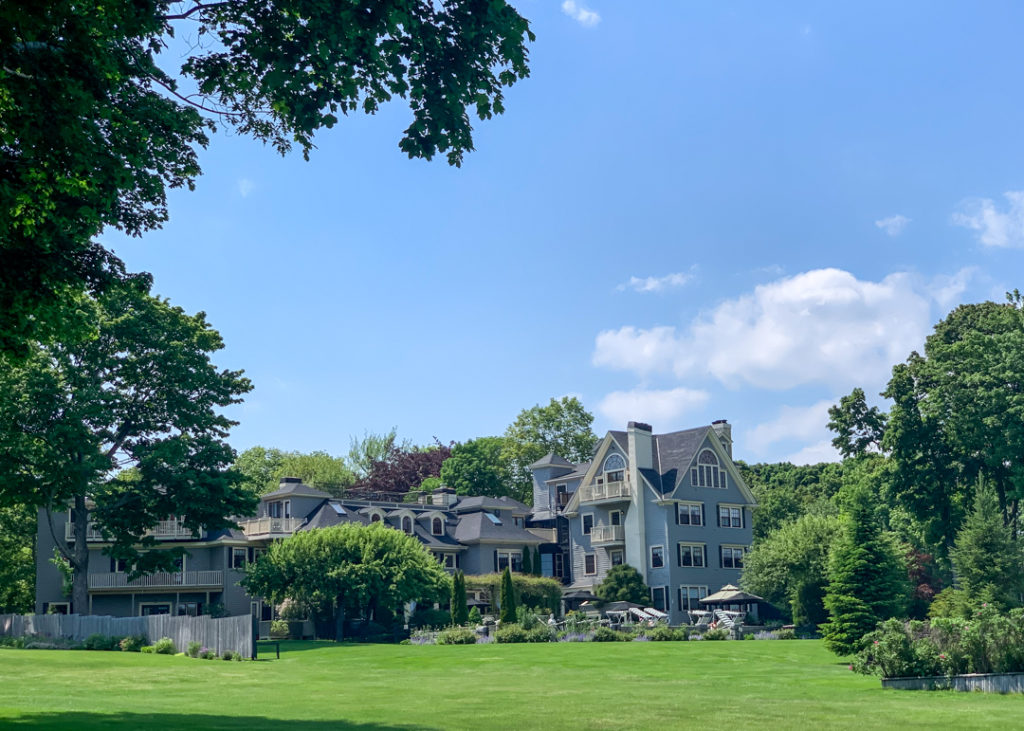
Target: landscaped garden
(314, 686)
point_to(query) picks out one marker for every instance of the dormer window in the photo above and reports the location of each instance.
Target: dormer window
(708, 472)
(436, 527)
(615, 468)
(407, 525)
(375, 518)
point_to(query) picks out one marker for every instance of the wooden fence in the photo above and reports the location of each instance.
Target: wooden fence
(984, 682)
(227, 633)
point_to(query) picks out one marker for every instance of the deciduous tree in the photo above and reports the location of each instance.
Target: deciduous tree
(402, 469)
(142, 394)
(263, 469)
(476, 467)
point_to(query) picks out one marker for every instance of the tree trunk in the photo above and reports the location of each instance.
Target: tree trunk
(80, 560)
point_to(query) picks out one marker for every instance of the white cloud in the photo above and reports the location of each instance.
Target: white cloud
(580, 13)
(657, 284)
(946, 289)
(652, 406)
(245, 187)
(994, 227)
(821, 326)
(822, 451)
(793, 422)
(893, 225)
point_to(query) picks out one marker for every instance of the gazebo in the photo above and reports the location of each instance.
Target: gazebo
(730, 595)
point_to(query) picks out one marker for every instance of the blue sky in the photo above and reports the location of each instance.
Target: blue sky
(690, 211)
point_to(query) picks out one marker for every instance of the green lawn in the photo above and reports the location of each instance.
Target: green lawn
(314, 686)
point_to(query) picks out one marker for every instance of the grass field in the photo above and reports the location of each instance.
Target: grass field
(314, 687)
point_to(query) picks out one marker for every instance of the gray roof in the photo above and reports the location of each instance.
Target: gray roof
(672, 453)
(290, 489)
(551, 460)
(483, 502)
(476, 527)
(621, 439)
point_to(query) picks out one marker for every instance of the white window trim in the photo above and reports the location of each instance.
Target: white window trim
(690, 504)
(617, 552)
(614, 512)
(732, 506)
(683, 589)
(583, 525)
(610, 457)
(696, 470)
(245, 559)
(691, 544)
(733, 546)
(651, 554)
(432, 519)
(585, 557)
(169, 605)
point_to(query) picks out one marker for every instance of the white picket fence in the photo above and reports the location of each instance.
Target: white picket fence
(226, 633)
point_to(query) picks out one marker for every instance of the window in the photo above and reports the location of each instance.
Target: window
(730, 517)
(150, 609)
(287, 508)
(517, 521)
(563, 495)
(437, 526)
(189, 609)
(558, 565)
(615, 468)
(56, 608)
(615, 517)
(617, 558)
(732, 557)
(690, 596)
(590, 564)
(118, 565)
(588, 523)
(692, 554)
(274, 510)
(375, 518)
(707, 473)
(407, 524)
(238, 556)
(447, 559)
(658, 594)
(690, 514)
(511, 559)
(657, 557)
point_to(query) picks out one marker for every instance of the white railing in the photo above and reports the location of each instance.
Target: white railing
(179, 578)
(165, 530)
(607, 534)
(605, 491)
(269, 526)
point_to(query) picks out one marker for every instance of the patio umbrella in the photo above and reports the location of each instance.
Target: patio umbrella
(730, 594)
(621, 606)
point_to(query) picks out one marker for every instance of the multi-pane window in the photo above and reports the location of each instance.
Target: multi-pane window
(658, 596)
(692, 554)
(512, 559)
(690, 596)
(437, 526)
(590, 564)
(616, 558)
(407, 524)
(238, 558)
(118, 565)
(588, 524)
(690, 514)
(708, 472)
(730, 516)
(615, 517)
(657, 557)
(563, 495)
(558, 565)
(615, 468)
(732, 557)
(274, 510)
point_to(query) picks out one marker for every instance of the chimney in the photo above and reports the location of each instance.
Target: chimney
(639, 438)
(442, 497)
(290, 481)
(723, 429)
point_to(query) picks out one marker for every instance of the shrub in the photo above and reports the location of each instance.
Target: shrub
(575, 636)
(193, 649)
(278, 628)
(422, 637)
(717, 634)
(474, 616)
(164, 646)
(101, 642)
(207, 653)
(749, 637)
(133, 643)
(229, 655)
(664, 634)
(526, 617)
(456, 636)
(16, 642)
(540, 633)
(606, 634)
(430, 619)
(150, 649)
(785, 634)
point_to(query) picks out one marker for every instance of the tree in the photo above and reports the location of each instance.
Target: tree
(507, 598)
(460, 609)
(986, 558)
(527, 564)
(143, 394)
(476, 468)
(94, 130)
(867, 576)
(348, 569)
(362, 453)
(858, 429)
(263, 469)
(401, 470)
(536, 562)
(790, 566)
(562, 427)
(785, 491)
(623, 583)
(17, 559)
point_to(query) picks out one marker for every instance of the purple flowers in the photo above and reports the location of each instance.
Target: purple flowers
(576, 637)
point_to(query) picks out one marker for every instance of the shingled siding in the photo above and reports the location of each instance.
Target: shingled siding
(227, 633)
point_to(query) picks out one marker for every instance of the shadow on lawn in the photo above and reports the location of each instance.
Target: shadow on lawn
(190, 721)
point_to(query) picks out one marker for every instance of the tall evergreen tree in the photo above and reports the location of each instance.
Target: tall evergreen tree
(507, 599)
(460, 609)
(986, 558)
(536, 562)
(867, 576)
(527, 563)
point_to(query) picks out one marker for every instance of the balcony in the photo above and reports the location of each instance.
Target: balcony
(605, 534)
(165, 530)
(606, 492)
(177, 581)
(269, 527)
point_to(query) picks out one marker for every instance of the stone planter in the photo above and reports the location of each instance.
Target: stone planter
(985, 682)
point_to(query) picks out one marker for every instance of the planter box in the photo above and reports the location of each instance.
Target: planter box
(985, 682)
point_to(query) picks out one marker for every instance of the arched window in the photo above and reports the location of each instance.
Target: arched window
(375, 518)
(437, 526)
(615, 468)
(407, 524)
(708, 472)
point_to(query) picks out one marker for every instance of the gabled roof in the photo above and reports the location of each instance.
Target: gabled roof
(551, 460)
(477, 527)
(580, 471)
(673, 453)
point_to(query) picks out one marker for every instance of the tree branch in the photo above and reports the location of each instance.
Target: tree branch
(195, 9)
